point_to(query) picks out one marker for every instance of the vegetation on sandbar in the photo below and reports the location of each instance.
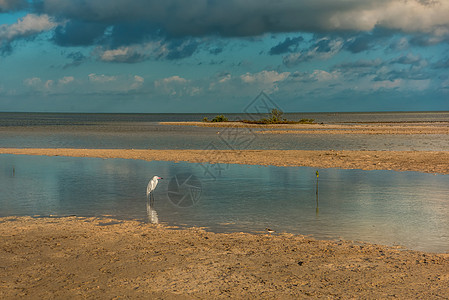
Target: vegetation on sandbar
(274, 118)
(218, 118)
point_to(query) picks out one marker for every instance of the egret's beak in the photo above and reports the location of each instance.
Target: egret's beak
(160, 178)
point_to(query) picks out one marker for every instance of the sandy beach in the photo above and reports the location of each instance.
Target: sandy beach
(420, 161)
(81, 258)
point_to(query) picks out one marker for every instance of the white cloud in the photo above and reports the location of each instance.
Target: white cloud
(27, 26)
(265, 80)
(93, 83)
(321, 75)
(132, 53)
(445, 85)
(220, 82)
(226, 78)
(264, 77)
(413, 15)
(115, 54)
(176, 86)
(173, 79)
(47, 86)
(66, 80)
(114, 83)
(33, 82)
(157, 49)
(125, 54)
(101, 78)
(138, 82)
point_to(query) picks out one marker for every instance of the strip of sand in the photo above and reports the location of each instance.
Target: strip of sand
(370, 128)
(420, 161)
(72, 257)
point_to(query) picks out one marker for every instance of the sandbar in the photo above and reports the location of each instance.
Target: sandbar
(409, 128)
(420, 161)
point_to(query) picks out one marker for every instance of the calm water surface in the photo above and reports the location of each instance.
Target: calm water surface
(386, 207)
(142, 131)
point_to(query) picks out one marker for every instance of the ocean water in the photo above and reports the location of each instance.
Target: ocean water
(386, 207)
(142, 131)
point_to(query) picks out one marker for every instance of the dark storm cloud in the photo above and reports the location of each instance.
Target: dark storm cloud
(365, 41)
(77, 59)
(323, 46)
(178, 49)
(286, 46)
(215, 51)
(255, 17)
(85, 33)
(401, 74)
(407, 60)
(441, 64)
(121, 23)
(131, 33)
(358, 65)
(320, 48)
(359, 68)
(77, 33)
(422, 40)
(361, 43)
(200, 17)
(5, 49)
(11, 5)
(403, 67)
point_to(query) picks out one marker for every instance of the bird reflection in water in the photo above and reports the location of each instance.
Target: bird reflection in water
(152, 214)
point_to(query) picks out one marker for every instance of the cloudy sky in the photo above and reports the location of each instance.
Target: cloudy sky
(218, 55)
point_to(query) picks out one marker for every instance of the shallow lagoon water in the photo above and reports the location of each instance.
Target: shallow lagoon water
(187, 137)
(142, 131)
(386, 207)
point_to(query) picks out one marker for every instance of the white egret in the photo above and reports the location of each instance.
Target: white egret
(152, 186)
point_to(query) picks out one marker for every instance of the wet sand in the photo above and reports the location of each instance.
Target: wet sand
(81, 258)
(420, 161)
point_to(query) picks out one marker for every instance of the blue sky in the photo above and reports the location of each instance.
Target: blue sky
(218, 55)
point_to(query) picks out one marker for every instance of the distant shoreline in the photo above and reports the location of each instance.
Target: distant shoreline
(419, 161)
(227, 113)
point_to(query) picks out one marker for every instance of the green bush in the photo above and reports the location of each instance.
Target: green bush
(220, 118)
(276, 118)
(306, 121)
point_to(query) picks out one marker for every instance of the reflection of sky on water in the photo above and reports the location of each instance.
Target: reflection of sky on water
(153, 136)
(387, 207)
